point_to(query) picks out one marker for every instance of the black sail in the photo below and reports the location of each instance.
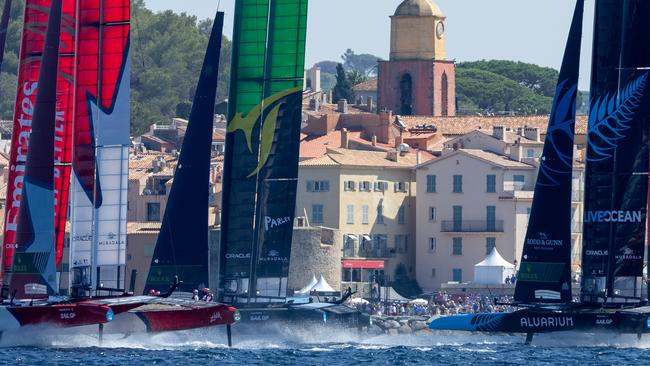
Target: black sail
(182, 246)
(617, 157)
(262, 144)
(33, 271)
(545, 271)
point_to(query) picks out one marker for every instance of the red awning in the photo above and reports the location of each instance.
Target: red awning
(363, 264)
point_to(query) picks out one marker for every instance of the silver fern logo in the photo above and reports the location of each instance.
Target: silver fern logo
(611, 116)
(558, 149)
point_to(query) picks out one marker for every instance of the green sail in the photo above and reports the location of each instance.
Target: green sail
(262, 146)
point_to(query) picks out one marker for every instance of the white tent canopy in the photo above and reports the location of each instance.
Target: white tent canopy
(419, 302)
(358, 300)
(310, 285)
(493, 270)
(322, 286)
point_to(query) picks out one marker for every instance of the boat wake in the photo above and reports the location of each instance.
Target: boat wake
(310, 338)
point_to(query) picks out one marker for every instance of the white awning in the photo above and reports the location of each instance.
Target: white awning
(322, 286)
(351, 237)
(367, 237)
(310, 285)
(494, 259)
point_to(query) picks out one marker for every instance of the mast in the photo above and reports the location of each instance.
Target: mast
(101, 148)
(33, 271)
(617, 160)
(182, 247)
(545, 271)
(261, 162)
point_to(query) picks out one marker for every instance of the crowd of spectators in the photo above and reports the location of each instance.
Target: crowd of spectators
(440, 303)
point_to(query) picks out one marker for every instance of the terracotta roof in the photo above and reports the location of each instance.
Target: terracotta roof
(490, 157)
(145, 160)
(466, 124)
(370, 85)
(358, 158)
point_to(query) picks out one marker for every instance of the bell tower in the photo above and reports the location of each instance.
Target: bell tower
(418, 79)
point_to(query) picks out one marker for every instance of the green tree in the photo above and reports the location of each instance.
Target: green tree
(355, 77)
(364, 63)
(167, 58)
(328, 67)
(343, 88)
(485, 91)
(542, 80)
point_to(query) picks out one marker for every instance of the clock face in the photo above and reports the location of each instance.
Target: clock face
(440, 30)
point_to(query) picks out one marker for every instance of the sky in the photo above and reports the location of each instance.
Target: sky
(533, 31)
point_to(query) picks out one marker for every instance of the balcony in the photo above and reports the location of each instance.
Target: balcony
(471, 226)
(370, 253)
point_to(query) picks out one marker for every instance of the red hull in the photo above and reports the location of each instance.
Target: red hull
(170, 315)
(62, 315)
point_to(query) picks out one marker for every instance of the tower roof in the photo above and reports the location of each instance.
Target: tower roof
(418, 8)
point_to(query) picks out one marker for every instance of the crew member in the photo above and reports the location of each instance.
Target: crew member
(207, 295)
(195, 295)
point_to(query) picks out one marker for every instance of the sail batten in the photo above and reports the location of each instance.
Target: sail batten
(545, 270)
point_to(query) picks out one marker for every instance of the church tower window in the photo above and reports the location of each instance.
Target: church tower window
(444, 93)
(406, 88)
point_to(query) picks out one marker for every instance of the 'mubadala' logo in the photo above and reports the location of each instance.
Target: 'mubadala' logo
(613, 216)
(629, 254)
(542, 239)
(274, 256)
(270, 223)
(546, 321)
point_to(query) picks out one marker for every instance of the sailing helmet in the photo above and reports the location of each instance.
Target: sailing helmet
(195, 292)
(152, 292)
(206, 290)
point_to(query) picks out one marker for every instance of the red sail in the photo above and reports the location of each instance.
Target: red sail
(101, 54)
(35, 23)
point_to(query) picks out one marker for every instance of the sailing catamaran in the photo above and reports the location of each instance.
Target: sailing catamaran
(182, 249)
(32, 275)
(616, 193)
(261, 166)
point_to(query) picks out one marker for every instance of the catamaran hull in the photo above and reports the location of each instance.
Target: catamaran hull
(340, 316)
(635, 321)
(59, 315)
(185, 318)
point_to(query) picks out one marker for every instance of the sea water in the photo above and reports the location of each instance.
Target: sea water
(320, 347)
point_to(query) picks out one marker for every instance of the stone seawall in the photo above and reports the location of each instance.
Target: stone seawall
(395, 325)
